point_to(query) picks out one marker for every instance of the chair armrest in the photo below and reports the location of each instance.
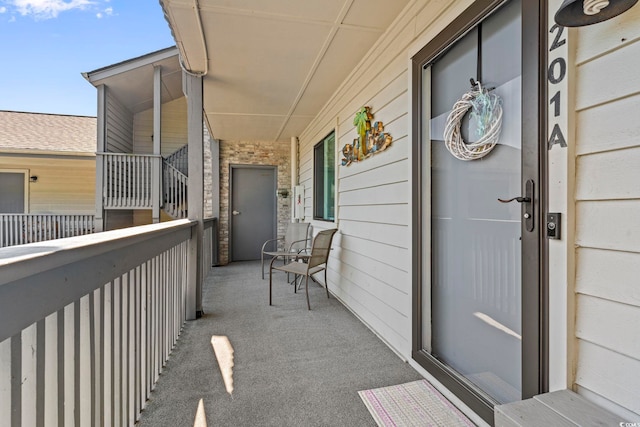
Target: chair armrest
(269, 241)
(297, 241)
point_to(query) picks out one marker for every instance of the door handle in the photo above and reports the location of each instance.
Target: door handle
(519, 199)
(235, 213)
(527, 199)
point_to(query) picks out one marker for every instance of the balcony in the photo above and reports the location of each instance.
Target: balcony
(87, 325)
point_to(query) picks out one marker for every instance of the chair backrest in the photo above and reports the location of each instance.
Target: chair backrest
(321, 247)
(296, 231)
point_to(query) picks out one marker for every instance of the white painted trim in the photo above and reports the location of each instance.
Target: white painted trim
(561, 187)
(132, 64)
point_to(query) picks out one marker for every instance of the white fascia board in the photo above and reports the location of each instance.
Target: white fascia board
(131, 64)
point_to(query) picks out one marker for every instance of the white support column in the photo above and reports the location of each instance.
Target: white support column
(157, 130)
(100, 148)
(294, 174)
(195, 201)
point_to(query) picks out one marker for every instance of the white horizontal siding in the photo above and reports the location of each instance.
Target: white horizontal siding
(174, 128)
(611, 126)
(119, 127)
(607, 212)
(65, 185)
(370, 269)
(608, 175)
(620, 271)
(609, 374)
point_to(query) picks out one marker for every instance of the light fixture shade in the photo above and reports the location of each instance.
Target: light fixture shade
(572, 14)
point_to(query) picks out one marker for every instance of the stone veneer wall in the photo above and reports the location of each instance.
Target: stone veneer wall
(208, 172)
(253, 153)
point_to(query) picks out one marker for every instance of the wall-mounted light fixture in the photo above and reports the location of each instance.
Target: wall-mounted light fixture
(578, 13)
(283, 192)
(33, 178)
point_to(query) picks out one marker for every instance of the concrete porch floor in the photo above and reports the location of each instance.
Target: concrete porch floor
(292, 367)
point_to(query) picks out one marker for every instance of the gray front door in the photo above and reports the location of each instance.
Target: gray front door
(12, 192)
(252, 210)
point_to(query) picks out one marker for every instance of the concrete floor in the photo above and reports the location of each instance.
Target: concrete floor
(291, 366)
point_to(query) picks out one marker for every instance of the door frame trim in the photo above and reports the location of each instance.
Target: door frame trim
(229, 214)
(534, 84)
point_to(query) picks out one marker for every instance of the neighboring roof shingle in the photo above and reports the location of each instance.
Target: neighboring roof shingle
(47, 132)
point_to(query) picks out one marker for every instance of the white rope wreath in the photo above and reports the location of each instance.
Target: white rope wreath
(488, 109)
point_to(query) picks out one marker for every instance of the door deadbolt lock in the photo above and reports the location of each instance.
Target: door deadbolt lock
(553, 225)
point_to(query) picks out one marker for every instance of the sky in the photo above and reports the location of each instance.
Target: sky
(45, 45)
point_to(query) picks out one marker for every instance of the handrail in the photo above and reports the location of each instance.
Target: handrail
(87, 323)
(174, 189)
(87, 262)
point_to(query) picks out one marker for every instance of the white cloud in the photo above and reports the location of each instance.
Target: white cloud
(3, 9)
(46, 9)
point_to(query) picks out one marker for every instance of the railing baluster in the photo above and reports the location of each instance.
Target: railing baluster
(5, 382)
(95, 361)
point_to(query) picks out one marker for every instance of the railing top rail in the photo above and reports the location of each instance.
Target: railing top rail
(61, 271)
(208, 222)
(102, 153)
(45, 214)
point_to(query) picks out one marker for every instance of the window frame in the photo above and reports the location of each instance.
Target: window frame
(319, 179)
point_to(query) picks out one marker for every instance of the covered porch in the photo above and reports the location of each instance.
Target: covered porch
(280, 365)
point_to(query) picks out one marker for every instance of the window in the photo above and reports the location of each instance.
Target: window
(324, 178)
(13, 187)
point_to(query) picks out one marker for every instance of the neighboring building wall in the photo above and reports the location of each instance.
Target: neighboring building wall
(607, 211)
(252, 153)
(370, 270)
(119, 124)
(65, 185)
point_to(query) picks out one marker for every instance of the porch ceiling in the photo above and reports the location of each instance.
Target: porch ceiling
(273, 64)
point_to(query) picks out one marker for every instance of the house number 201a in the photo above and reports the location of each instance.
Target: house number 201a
(556, 73)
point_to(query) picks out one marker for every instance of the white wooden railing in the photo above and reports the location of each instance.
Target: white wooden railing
(128, 180)
(174, 190)
(87, 323)
(179, 159)
(18, 229)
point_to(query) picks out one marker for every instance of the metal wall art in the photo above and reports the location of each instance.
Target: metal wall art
(371, 139)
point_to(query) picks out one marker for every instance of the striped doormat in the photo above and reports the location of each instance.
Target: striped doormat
(416, 403)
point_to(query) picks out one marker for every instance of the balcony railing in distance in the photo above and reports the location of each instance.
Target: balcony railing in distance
(19, 229)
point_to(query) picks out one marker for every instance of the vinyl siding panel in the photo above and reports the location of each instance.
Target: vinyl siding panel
(174, 128)
(119, 125)
(369, 269)
(66, 185)
(607, 209)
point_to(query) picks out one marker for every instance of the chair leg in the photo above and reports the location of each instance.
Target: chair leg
(262, 264)
(270, 278)
(326, 284)
(306, 288)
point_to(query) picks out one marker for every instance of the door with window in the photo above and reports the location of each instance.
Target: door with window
(476, 278)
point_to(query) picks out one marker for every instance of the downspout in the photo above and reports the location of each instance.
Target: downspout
(294, 174)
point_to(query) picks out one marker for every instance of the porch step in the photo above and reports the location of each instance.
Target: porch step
(559, 408)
